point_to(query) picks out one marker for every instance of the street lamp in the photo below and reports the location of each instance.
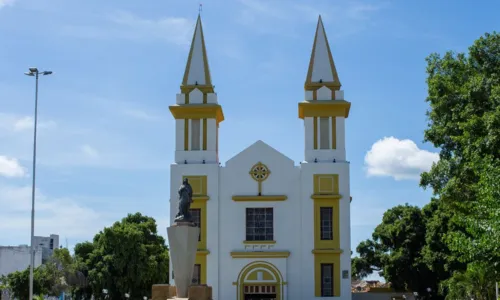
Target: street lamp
(34, 72)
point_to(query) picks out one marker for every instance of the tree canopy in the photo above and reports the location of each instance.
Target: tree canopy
(453, 240)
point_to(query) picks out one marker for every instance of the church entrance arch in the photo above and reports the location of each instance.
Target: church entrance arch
(260, 280)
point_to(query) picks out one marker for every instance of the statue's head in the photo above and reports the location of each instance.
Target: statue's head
(185, 181)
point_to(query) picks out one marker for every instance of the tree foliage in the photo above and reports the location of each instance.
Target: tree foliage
(127, 257)
(464, 123)
(452, 242)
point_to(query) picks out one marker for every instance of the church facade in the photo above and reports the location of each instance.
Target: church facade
(270, 229)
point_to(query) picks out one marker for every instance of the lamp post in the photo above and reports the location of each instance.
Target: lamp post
(34, 72)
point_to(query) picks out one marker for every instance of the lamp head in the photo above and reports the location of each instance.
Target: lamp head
(46, 72)
(33, 70)
(29, 74)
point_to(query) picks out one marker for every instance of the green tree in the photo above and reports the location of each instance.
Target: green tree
(464, 123)
(395, 251)
(477, 282)
(18, 283)
(127, 257)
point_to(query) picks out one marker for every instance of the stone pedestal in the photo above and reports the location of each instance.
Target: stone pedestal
(183, 243)
(200, 292)
(162, 292)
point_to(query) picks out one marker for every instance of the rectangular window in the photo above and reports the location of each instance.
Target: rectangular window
(324, 133)
(196, 275)
(196, 216)
(326, 223)
(326, 280)
(259, 224)
(195, 134)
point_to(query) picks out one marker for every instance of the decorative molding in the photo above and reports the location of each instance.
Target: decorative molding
(263, 254)
(326, 197)
(258, 242)
(260, 198)
(201, 198)
(327, 251)
(202, 252)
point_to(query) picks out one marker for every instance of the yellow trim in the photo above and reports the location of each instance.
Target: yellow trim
(262, 254)
(200, 198)
(205, 134)
(315, 130)
(240, 281)
(309, 85)
(205, 89)
(208, 80)
(333, 108)
(259, 198)
(186, 134)
(259, 242)
(334, 133)
(327, 258)
(201, 259)
(319, 197)
(326, 194)
(197, 111)
(327, 251)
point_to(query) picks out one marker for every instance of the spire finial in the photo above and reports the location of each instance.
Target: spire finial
(200, 9)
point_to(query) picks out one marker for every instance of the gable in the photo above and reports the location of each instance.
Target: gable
(259, 151)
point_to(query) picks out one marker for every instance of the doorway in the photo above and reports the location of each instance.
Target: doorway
(260, 296)
(260, 292)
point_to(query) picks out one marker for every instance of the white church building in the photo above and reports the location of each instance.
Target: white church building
(270, 229)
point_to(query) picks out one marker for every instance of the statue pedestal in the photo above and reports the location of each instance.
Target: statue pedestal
(183, 243)
(162, 292)
(200, 292)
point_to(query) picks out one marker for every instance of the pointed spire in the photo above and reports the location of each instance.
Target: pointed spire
(322, 71)
(197, 72)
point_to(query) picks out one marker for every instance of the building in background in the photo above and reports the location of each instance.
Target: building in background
(48, 244)
(17, 258)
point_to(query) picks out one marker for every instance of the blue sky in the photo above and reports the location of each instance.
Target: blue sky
(106, 135)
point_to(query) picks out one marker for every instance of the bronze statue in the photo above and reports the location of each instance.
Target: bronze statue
(185, 200)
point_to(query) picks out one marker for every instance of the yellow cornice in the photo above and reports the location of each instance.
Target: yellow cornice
(327, 108)
(326, 196)
(327, 251)
(204, 252)
(263, 254)
(201, 198)
(309, 84)
(260, 198)
(197, 111)
(208, 80)
(259, 242)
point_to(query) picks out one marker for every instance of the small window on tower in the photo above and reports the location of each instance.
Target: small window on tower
(195, 134)
(324, 133)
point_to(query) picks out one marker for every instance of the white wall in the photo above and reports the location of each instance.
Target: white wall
(283, 180)
(14, 259)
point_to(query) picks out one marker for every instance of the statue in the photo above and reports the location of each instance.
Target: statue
(185, 200)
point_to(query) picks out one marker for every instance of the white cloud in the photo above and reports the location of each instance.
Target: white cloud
(62, 216)
(10, 167)
(125, 25)
(400, 159)
(268, 17)
(6, 3)
(90, 151)
(16, 123)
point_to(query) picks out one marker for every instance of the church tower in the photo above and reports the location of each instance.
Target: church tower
(197, 113)
(197, 116)
(324, 179)
(324, 109)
